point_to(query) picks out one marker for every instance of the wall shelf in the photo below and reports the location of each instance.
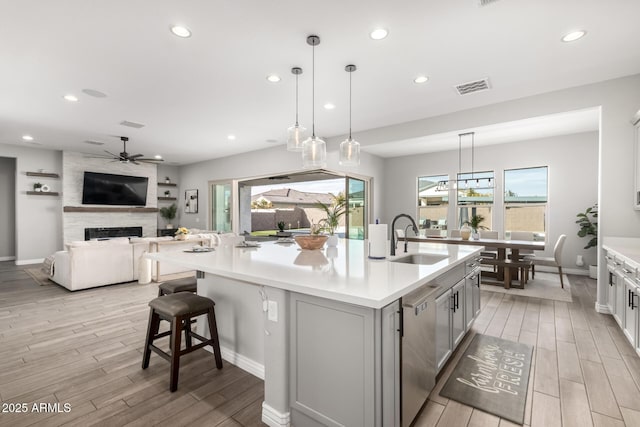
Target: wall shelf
(43, 174)
(108, 209)
(43, 193)
(164, 184)
(167, 198)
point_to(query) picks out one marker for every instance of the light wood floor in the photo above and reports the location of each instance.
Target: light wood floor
(84, 348)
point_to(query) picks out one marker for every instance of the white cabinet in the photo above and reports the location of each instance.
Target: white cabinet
(623, 287)
(631, 311)
(472, 297)
(451, 321)
(458, 325)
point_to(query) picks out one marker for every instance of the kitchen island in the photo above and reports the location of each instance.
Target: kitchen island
(323, 328)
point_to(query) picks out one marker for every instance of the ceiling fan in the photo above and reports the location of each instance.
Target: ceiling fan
(125, 157)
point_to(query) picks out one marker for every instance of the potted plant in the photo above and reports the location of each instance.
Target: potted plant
(167, 193)
(182, 233)
(475, 224)
(169, 213)
(587, 221)
(334, 212)
(281, 232)
(167, 180)
(37, 186)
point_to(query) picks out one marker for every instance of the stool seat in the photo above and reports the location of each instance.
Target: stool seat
(181, 304)
(188, 284)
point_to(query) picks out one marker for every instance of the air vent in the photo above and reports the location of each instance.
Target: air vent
(93, 142)
(485, 2)
(471, 87)
(131, 124)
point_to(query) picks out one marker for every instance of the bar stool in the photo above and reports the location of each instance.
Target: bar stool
(188, 284)
(179, 309)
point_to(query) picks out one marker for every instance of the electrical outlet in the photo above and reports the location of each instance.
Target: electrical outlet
(273, 311)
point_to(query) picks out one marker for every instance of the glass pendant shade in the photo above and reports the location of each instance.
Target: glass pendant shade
(349, 152)
(295, 137)
(314, 153)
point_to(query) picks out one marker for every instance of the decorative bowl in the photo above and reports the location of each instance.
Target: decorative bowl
(310, 241)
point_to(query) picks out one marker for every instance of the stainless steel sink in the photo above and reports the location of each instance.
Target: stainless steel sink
(423, 259)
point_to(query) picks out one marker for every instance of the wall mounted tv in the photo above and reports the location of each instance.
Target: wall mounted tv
(109, 189)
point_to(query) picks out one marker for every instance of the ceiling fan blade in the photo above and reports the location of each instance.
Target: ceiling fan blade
(136, 155)
(109, 152)
(150, 160)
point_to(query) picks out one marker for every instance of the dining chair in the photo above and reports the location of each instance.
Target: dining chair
(523, 235)
(455, 233)
(555, 261)
(489, 252)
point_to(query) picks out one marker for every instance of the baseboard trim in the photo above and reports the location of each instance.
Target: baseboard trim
(29, 261)
(602, 308)
(7, 258)
(242, 362)
(274, 418)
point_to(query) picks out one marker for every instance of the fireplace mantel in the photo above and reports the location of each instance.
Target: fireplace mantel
(103, 209)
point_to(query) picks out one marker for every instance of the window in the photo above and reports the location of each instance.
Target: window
(433, 204)
(525, 201)
(475, 196)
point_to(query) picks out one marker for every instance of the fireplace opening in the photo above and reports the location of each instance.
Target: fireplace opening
(104, 233)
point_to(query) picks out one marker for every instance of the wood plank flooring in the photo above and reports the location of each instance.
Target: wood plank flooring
(584, 372)
(84, 348)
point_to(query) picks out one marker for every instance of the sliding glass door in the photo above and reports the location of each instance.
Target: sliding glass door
(220, 194)
(356, 220)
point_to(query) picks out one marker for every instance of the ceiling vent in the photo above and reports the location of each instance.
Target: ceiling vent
(485, 2)
(131, 124)
(93, 142)
(471, 87)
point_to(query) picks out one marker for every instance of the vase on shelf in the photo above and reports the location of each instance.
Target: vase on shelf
(465, 232)
(181, 236)
(332, 241)
(169, 226)
(474, 234)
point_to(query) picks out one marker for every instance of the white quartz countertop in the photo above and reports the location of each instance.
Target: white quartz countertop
(628, 248)
(342, 274)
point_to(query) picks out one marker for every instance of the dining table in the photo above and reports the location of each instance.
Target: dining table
(500, 245)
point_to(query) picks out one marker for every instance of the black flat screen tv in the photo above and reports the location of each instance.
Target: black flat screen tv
(110, 189)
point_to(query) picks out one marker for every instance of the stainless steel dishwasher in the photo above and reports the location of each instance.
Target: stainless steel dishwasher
(418, 336)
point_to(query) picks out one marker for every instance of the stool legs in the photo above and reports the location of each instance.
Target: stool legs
(176, 334)
(152, 331)
(213, 331)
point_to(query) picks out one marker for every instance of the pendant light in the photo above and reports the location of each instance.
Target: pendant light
(481, 182)
(350, 148)
(314, 149)
(296, 132)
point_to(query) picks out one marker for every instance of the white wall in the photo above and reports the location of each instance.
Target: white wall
(7, 208)
(276, 160)
(573, 182)
(38, 219)
(619, 99)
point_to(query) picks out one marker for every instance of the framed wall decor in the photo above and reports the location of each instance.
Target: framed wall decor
(191, 201)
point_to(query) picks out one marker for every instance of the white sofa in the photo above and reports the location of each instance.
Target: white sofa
(88, 264)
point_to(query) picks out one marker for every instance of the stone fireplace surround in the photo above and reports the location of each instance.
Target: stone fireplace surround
(75, 221)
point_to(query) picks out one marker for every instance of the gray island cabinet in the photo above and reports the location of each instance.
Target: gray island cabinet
(326, 329)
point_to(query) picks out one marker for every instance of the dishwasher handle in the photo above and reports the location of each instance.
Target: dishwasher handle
(417, 300)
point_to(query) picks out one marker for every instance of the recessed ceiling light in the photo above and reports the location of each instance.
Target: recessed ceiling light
(71, 98)
(421, 79)
(273, 78)
(231, 137)
(27, 137)
(181, 31)
(329, 106)
(379, 33)
(574, 35)
(157, 156)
